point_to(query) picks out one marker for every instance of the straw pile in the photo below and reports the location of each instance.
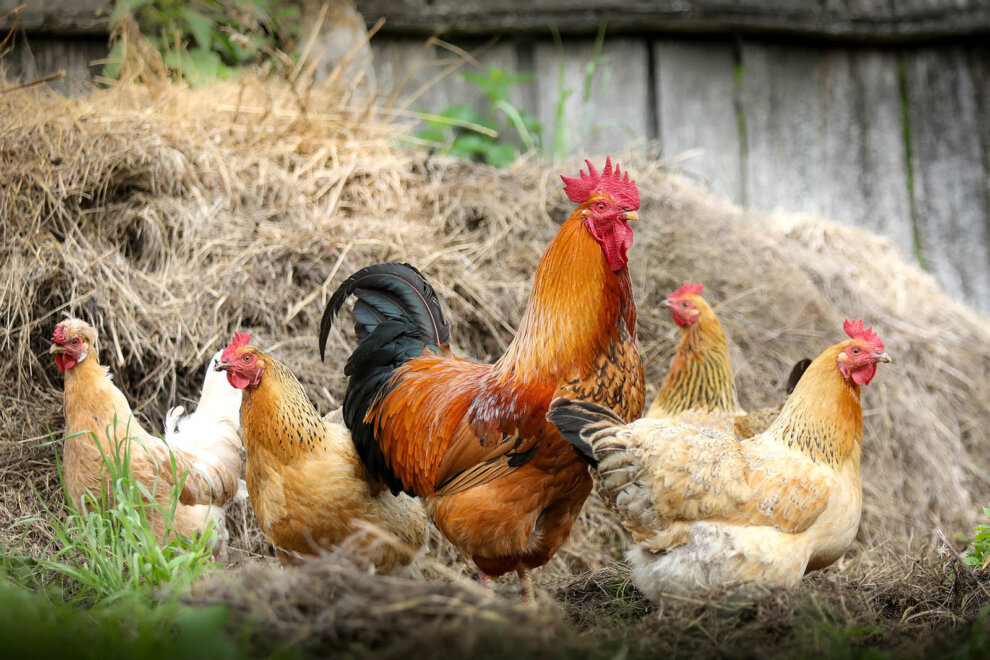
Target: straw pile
(170, 217)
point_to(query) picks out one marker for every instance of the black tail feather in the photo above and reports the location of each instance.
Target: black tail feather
(396, 316)
(574, 418)
(388, 291)
(796, 372)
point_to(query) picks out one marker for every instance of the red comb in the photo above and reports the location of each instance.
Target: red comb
(856, 330)
(621, 189)
(688, 289)
(240, 339)
(58, 336)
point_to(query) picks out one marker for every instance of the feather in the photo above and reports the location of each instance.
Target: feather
(393, 291)
(796, 372)
(574, 418)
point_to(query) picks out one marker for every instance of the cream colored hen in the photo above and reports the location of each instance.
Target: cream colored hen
(98, 417)
(708, 510)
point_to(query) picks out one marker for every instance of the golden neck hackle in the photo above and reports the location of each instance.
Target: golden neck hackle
(277, 416)
(91, 402)
(700, 377)
(823, 417)
(573, 309)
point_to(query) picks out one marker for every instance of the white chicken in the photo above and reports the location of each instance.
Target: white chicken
(217, 419)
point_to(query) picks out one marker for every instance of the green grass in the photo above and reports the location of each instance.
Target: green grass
(460, 130)
(979, 556)
(105, 588)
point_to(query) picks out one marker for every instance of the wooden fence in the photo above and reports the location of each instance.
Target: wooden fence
(872, 114)
(895, 140)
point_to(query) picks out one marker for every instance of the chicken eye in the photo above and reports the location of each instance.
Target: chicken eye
(685, 304)
(246, 358)
(601, 206)
(75, 340)
(855, 351)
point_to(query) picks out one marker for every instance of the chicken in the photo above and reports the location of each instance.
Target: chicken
(708, 510)
(217, 418)
(700, 388)
(472, 439)
(98, 418)
(307, 485)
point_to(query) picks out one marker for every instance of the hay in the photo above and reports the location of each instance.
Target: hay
(170, 217)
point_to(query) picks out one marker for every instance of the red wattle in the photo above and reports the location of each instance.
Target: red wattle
(864, 375)
(615, 238)
(237, 381)
(64, 361)
(861, 376)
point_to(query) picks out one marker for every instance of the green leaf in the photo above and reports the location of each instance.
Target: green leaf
(125, 7)
(470, 144)
(502, 154)
(199, 26)
(200, 66)
(112, 68)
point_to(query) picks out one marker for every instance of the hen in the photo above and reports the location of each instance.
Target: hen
(308, 487)
(98, 417)
(217, 418)
(473, 439)
(700, 388)
(706, 509)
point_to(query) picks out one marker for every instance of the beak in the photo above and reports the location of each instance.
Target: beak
(630, 216)
(57, 348)
(667, 303)
(883, 357)
(223, 365)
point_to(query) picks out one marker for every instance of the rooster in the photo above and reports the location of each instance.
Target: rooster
(499, 481)
(308, 487)
(708, 510)
(699, 387)
(98, 419)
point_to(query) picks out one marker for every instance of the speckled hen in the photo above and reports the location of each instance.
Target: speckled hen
(308, 487)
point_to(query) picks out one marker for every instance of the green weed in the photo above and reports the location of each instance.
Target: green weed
(105, 588)
(980, 554)
(203, 40)
(107, 549)
(460, 130)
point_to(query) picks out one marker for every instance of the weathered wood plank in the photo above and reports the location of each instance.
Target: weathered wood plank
(864, 175)
(948, 110)
(604, 116)
(825, 135)
(858, 20)
(695, 83)
(780, 98)
(430, 78)
(41, 56)
(62, 17)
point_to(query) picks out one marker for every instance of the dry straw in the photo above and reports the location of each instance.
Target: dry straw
(170, 217)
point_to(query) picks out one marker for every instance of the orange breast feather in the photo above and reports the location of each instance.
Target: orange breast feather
(449, 424)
